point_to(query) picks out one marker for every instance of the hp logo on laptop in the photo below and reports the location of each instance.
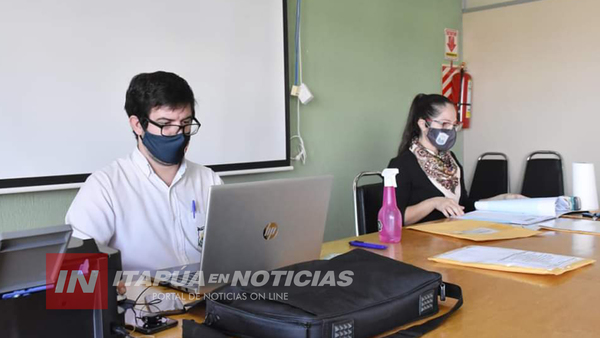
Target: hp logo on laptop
(270, 231)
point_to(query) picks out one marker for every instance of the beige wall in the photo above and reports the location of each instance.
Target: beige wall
(479, 3)
(536, 72)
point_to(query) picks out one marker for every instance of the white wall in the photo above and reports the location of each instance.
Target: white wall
(536, 73)
(65, 67)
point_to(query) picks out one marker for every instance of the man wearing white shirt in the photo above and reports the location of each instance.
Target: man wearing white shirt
(151, 204)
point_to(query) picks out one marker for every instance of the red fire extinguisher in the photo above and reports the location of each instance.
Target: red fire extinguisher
(462, 88)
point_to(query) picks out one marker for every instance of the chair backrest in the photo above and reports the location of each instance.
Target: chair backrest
(367, 202)
(543, 176)
(491, 177)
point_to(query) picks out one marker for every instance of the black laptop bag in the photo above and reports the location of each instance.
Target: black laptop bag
(382, 294)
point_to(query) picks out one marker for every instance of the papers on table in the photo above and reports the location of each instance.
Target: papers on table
(513, 260)
(522, 211)
(475, 230)
(582, 226)
(546, 206)
(504, 217)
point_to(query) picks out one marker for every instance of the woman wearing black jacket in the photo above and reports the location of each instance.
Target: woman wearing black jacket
(431, 181)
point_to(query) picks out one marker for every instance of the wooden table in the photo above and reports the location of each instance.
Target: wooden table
(496, 304)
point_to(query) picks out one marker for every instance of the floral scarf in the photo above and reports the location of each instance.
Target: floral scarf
(442, 167)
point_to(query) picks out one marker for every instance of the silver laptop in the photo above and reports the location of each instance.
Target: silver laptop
(258, 226)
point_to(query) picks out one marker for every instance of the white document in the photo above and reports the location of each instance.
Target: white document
(576, 225)
(525, 211)
(547, 206)
(509, 257)
(504, 217)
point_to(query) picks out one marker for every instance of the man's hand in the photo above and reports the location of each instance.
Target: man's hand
(121, 289)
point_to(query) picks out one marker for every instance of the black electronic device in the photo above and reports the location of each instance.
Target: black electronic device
(23, 287)
(150, 323)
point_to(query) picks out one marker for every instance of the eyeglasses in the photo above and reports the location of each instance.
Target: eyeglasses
(446, 125)
(188, 129)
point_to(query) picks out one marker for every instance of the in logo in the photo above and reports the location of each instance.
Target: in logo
(270, 231)
(76, 281)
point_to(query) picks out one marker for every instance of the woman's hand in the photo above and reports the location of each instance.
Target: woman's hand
(505, 197)
(447, 206)
(512, 196)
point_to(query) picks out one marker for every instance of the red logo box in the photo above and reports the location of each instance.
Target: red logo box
(77, 281)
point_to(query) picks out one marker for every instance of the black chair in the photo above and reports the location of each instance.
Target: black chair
(543, 176)
(367, 202)
(491, 177)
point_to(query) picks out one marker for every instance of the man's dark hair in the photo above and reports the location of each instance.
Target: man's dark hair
(158, 89)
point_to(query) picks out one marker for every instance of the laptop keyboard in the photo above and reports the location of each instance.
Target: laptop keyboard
(186, 279)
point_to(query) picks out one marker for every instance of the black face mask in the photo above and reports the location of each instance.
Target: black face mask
(168, 150)
(442, 139)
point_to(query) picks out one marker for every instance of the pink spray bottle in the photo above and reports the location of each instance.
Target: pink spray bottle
(389, 218)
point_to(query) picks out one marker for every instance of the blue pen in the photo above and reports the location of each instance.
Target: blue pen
(194, 209)
(362, 244)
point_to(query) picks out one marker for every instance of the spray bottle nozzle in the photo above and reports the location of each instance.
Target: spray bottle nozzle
(389, 177)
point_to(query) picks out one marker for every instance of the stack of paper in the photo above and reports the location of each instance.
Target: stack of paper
(523, 211)
(582, 226)
(475, 230)
(491, 258)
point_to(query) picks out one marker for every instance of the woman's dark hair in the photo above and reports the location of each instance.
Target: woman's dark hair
(158, 89)
(424, 106)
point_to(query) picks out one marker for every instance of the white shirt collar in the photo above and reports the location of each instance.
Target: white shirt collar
(180, 171)
(142, 162)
